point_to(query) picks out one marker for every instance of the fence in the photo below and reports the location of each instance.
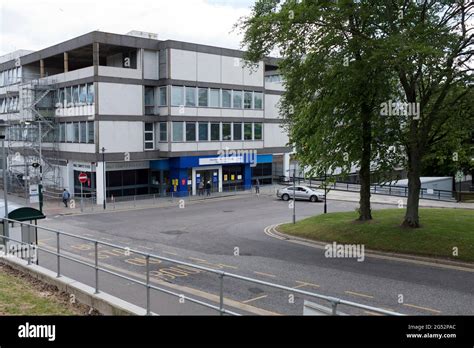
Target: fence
(222, 275)
(392, 190)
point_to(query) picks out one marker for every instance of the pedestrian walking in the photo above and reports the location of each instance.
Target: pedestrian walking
(201, 189)
(257, 187)
(66, 196)
(208, 188)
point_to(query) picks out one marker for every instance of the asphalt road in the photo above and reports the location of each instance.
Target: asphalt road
(228, 234)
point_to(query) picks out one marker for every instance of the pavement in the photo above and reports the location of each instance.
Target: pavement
(227, 233)
(56, 207)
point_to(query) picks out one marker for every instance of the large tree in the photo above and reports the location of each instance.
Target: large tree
(417, 54)
(429, 45)
(335, 82)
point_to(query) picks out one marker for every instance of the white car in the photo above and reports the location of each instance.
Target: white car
(301, 192)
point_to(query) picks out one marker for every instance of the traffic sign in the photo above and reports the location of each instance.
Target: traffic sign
(82, 178)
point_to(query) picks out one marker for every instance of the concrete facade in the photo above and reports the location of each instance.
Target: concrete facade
(156, 107)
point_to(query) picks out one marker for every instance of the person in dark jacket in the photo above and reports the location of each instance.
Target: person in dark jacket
(66, 196)
(208, 188)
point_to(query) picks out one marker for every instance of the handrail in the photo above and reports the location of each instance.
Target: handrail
(334, 301)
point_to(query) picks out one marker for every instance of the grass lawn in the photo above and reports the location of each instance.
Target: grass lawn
(441, 231)
(20, 297)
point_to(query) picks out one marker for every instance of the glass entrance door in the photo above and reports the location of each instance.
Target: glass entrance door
(206, 178)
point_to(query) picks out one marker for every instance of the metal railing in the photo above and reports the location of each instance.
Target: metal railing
(222, 275)
(391, 190)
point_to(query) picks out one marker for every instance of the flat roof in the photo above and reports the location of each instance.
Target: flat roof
(127, 41)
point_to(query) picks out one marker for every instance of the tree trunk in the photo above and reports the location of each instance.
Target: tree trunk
(414, 185)
(365, 212)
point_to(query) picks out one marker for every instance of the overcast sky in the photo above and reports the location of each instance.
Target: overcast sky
(36, 24)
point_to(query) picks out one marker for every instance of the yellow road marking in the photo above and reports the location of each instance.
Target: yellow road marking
(423, 308)
(196, 259)
(254, 299)
(189, 290)
(358, 294)
(265, 274)
(302, 284)
(169, 252)
(233, 267)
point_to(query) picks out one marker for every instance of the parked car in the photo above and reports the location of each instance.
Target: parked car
(301, 192)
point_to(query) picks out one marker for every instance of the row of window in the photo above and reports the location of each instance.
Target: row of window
(273, 78)
(76, 132)
(10, 76)
(76, 94)
(10, 104)
(216, 98)
(202, 131)
(151, 101)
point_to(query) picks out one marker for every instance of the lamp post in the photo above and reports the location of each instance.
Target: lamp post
(103, 175)
(3, 132)
(325, 192)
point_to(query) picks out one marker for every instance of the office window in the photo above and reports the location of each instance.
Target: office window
(83, 94)
(247, 131)
(190, 96)
(237, 131)
(62, 132)
(190, 131)
(163, 131)
(68, 93)
(215, 132)
(61, 96)
(257, 131)
(258, 100)
(178, 131)
(69, 134)
(226, 131)
(149, 136)
(203, 97)
(75, 94)
(248, 100)
(90, 132)
(149, 100)
(237, 99)
(162, 101)
(226, 98)
(90, 93)
(83, 131)
(177, 96)
(214, 100)
(203, 131)
(76, 132)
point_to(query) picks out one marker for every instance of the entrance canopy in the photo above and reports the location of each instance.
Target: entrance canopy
(20, 212)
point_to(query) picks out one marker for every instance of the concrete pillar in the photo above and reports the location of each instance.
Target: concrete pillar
(95, 54)
(70, 179)
(41, 68)
(66, 62)
(286, 164)
(100, 182)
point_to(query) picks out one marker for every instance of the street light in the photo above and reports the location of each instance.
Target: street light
(325, 192)
(103, 175)
(3, 132)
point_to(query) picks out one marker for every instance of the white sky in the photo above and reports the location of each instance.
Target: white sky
(37, 24)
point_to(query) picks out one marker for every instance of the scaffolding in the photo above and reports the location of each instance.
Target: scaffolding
(33, 138)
